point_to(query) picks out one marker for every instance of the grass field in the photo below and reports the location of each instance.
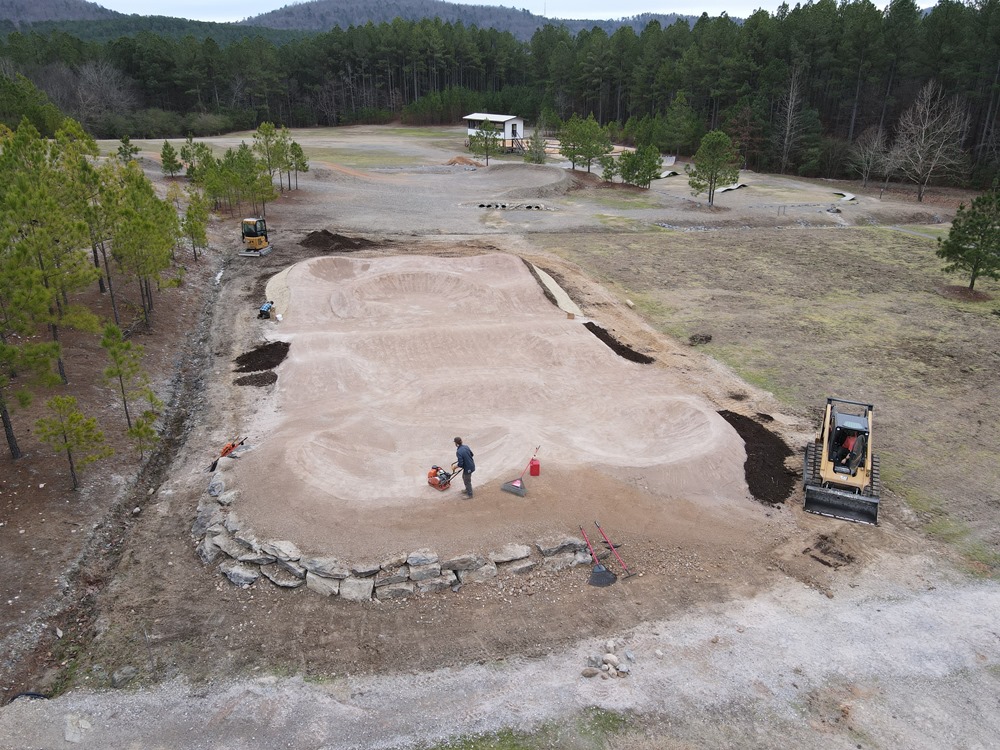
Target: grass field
(858, 313)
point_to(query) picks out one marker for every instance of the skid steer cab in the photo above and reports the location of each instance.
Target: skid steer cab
(841, 472)
(254, 232)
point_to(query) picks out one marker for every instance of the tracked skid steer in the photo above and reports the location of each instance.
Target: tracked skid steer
(841, 473)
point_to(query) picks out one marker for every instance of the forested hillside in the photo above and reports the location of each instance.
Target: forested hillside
(18, 12)
(798, 90)
(90, 22)
(322, 15)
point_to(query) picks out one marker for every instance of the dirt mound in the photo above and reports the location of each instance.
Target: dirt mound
(264, 357)
(770, 482)
(329, 242)
(463, 161)
(583, 180)
(616, 346)
(258, 379)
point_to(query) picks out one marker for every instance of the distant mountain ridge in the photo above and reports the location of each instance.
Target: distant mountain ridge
(315, 16)
(322, 15)
(18, 12)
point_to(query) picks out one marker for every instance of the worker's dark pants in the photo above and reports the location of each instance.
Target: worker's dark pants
(467, 478)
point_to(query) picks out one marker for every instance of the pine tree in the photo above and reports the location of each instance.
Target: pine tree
(195, 220)
(69, 431)
(486, 141)
(535, 153)
(126, 151)
(715, 163)
(125, 368)
(299, 161)
(973, 244)
(170, 164)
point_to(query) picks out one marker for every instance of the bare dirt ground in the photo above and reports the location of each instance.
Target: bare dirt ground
(751, 624)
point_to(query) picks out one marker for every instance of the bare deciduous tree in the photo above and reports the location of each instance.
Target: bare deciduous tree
(929, 137)
(789, 129)
(327, 101)
(59, 83)
(103, 88)
(868, 154)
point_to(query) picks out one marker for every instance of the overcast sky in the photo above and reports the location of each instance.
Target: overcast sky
(237, 10)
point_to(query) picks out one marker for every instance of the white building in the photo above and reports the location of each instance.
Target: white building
(510, 129)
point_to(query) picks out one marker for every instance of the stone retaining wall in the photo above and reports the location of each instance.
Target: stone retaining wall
(244, 558)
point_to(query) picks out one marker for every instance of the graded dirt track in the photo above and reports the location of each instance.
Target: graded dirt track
(388, 357)
(751, 625)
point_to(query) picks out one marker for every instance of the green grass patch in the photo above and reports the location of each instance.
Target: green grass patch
(946, 529)
(625, 201)
(745, 363)
(933, 230)
(621, 223)
(986, 562)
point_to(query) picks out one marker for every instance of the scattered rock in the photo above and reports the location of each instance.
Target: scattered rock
(590, 672)
(122, 677)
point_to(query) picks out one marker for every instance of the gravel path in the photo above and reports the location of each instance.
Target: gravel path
(877, 665)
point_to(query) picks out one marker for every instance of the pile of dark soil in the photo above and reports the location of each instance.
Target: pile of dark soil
(328, 242)
(258, 379)
(616, 346)
(264, 357)
(769, 481)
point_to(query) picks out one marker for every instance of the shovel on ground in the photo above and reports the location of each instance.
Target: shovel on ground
(599, 576)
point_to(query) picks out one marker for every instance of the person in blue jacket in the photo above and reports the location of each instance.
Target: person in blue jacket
(466, 464)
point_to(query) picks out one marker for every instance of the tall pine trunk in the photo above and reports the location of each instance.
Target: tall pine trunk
(8, 430)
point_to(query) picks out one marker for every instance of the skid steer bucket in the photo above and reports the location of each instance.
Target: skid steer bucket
(827, 501)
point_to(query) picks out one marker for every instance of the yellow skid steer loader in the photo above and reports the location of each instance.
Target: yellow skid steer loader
(841, 473)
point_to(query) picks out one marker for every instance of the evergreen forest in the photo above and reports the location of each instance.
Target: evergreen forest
(795, 90)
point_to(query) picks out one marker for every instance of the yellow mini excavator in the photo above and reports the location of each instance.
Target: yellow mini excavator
(255, 242)
(841, 474)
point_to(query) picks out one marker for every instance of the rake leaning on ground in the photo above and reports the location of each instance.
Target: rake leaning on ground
(599, 576)
(614, 551)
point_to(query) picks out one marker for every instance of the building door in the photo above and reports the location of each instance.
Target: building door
(513, 130)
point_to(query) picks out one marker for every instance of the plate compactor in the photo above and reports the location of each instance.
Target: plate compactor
(440, 479)
(841, 473)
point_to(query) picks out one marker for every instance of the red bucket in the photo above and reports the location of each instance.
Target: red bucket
(534, 467)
